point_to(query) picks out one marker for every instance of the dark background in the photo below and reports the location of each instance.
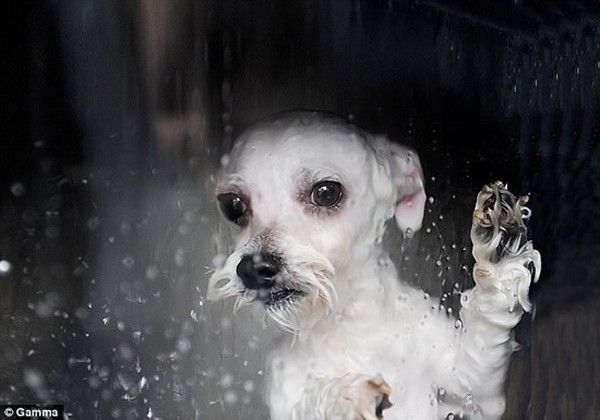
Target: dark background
(114, 116)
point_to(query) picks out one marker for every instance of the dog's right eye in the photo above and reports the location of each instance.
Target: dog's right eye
(233, 207)
(326, 193)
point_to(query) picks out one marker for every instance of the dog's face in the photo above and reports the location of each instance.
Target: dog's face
(310, 195)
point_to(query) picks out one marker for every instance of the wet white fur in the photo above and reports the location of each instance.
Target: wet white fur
(358, 319)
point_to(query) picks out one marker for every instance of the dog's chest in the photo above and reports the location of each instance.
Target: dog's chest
(403, 345)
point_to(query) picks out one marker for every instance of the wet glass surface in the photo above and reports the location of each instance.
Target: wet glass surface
(115, 119)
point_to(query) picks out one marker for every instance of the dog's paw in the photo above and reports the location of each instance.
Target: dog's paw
(358, 397)
(503, 254)
(498, 228)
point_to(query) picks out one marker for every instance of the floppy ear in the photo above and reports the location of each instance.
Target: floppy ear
(407, 177)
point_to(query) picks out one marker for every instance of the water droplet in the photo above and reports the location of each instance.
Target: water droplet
(5, 267)
(184, 345)
(230, 397)
(468, 401)
(194, 315)
(225, 159)
(249, 386)
(126, 351)
(17, 189)
(179, 257)
(128, 262)
(52, 232)
(33, 379)
(151, 272)
(226, 380)
(226, 323)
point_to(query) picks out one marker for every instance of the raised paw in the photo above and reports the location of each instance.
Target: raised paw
(498, 228)
(505, 259)
(359, 397)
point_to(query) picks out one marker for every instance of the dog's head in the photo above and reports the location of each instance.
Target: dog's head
(310, 195)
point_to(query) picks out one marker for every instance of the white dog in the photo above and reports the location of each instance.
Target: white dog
(311, 195)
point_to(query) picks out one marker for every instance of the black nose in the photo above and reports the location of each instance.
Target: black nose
(258, 271)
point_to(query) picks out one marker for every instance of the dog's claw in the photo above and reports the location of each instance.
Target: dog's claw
(384, 404)
(522, 200)
(481, 272)
(368, 416)
(380, 385)
(479, 214)
(383, 391)
(363, 397)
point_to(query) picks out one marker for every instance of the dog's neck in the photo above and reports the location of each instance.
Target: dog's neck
(366, 292)
(369, 282)
(369, 271)
(367, 279)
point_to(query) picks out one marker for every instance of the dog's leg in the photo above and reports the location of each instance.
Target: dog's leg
(350, 397)
(505, 263)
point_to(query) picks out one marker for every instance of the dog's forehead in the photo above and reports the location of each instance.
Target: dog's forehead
(316, 143)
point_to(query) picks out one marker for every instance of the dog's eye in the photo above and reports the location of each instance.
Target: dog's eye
(326, 193)
(233, 207)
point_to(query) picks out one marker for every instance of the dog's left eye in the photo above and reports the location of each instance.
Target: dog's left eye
(233, 207)
(326, 193)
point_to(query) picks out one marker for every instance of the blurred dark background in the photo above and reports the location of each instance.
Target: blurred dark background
(114, 117)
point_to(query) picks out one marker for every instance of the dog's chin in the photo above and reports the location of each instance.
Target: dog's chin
(282, 297)
(284, 306)
(296, 312)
